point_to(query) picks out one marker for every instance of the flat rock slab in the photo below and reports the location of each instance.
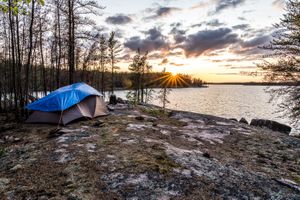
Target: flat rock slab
(147, 153)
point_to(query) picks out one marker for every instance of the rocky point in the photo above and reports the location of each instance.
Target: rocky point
(147, 153)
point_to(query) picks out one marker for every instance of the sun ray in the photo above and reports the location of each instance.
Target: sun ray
(171, 80)
(182, 80)
(160, 78)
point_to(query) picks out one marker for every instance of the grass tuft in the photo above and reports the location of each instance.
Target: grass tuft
(157, 161)
(2, 152)
(155, 112)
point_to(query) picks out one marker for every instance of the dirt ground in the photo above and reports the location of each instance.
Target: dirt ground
(145, 153)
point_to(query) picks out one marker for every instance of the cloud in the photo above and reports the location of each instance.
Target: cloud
(126, 57)
(203, 4)
(227, 73)
(196, 25)
(257, 41)
(232, 60)
(178, 34)
(156, 55)
(161, 12)
(217, 61)
(254, 33)
(164, 11)
(176, 24)
(240, 73)
(242, 18)
(164, 61)
(176, 53)
(200, 5)
(220, 5)
(248, 11)
(176, 64)
(225, 4)
(230, 66)
(251, 47)
(118, 19)
(214, 23)
(278, 4)
(154, 34)
(243, 67)
(241, 27)
(206, 41)
(153, 41)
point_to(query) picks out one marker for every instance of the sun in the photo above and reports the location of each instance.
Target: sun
(169, 79)
(173, 71)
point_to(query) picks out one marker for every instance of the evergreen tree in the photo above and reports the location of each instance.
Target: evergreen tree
(140, 69)
(103, 60)
(165, 89)
(114, 49)
(283, 63)
(38, 56)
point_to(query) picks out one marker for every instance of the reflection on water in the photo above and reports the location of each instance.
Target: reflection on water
(229, 101)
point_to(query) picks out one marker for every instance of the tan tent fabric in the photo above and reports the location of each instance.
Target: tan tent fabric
(90, 107)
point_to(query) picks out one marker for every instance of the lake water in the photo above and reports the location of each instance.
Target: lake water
(229, 101)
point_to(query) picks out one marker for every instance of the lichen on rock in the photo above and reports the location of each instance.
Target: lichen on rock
(147, 153)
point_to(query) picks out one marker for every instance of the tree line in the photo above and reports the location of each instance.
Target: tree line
(40, 41)
(46, 46)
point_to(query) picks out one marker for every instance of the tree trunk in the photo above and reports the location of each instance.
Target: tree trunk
(34, 65)
(42, 59)
(59, 48)
(102, 82)
(19, 68)
(29, 52)
(71, 41)
(112, 76)
(12, 35)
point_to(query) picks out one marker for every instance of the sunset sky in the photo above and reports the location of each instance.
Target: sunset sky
(216, 40)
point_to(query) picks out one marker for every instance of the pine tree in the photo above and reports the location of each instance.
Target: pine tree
(165, 90)
(140, 69)
(114, 49)
(103, 60)
(283, 63)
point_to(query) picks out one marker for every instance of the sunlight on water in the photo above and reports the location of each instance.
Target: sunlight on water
(229, 101)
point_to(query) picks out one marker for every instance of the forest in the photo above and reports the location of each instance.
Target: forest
(47, 45)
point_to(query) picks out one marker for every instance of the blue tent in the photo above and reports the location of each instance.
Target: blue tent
(63, 98)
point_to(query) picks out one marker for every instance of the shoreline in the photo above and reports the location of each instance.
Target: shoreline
(145, 153)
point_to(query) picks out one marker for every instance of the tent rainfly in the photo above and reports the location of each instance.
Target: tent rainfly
(67, 104)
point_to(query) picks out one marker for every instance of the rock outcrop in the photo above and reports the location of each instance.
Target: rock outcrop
(243, 120)
(273, 125)
(113, 99)
(149, 153)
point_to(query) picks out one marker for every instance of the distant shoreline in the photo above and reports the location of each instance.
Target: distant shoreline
(253, 84)
(203, 86)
